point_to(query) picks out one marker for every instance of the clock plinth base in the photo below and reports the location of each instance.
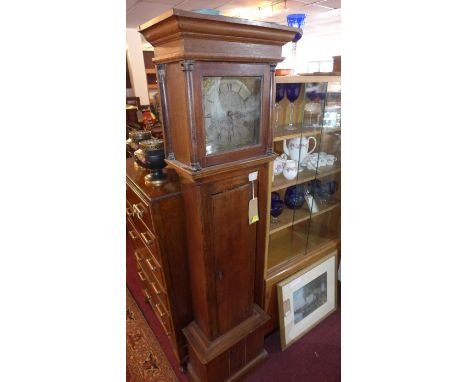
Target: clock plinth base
(230, 356)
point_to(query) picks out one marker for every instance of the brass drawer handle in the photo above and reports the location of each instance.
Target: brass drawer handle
(148, 241)
(133, 234)
(138, 211)
(147, 296)
(129, 211)
(137, 255)
(158, 292)
(152, 267)
(161, 313)
(142, 277)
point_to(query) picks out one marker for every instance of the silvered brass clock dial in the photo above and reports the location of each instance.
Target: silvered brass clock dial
(231, 107)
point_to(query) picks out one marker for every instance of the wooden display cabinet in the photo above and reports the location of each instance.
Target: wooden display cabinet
(301, 237)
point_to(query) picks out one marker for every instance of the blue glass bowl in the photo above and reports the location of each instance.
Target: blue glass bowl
(294, 197)
(276, 209)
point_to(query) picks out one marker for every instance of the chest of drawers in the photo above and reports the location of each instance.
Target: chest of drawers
(156, 226)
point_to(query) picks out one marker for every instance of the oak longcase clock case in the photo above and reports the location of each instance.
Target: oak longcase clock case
(216, 78)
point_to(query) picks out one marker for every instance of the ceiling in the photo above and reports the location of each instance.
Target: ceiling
(323, 17)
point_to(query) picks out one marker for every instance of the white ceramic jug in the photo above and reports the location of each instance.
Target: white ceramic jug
(290, 169)
(298, 148)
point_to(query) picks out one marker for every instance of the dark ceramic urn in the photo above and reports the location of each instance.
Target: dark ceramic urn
(150, 155)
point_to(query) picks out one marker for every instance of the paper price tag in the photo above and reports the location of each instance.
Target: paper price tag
(253, 211)
(253, 203)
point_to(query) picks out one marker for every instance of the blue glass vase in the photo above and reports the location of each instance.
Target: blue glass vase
(294, 197)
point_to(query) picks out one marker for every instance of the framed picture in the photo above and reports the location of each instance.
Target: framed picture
(306, 298)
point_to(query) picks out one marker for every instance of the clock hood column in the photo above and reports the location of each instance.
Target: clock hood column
(199, 56)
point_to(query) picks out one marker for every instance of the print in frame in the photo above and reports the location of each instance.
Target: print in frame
(306, 298)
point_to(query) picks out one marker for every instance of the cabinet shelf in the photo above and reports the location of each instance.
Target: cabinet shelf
(288, 244)
(282, 134)
(281, 182)
(290, 217)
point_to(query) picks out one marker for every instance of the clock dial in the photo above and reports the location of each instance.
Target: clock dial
(231, 107)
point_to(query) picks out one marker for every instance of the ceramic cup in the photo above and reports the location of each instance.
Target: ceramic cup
(330, 159)
(290, 169)
(322, 162)
(279, 163)
(310, 161)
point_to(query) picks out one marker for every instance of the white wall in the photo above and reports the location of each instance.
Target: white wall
(311, 48)
(136, 66)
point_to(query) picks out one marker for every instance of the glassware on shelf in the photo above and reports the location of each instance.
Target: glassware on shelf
(276, 208)
(292, 94)
(323, 191)
(315, 93)
(280, 90)
(295, 20)
(332, 112)
(294, 197)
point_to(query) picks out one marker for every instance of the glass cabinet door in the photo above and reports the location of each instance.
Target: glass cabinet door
(305, 199)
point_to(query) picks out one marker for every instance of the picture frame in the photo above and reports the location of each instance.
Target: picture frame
(306, 298)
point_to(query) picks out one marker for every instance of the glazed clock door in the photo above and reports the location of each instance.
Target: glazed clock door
(232, 110)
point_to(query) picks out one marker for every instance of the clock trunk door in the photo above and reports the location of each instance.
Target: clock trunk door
(234, 256)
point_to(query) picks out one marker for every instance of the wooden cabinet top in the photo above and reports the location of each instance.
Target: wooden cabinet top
(136, 180)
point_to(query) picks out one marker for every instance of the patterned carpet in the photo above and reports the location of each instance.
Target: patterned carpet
(146, 361)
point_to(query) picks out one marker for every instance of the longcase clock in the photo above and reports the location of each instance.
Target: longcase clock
(216, 77)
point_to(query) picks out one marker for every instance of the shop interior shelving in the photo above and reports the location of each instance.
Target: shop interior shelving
(300, 236)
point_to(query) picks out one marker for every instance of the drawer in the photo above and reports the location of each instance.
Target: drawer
(143, 277)
(158, 292)
(163, 316)
(141, 211)
(138, 223)
(129, 211)
(135, 239)
(167, 326)
(146, 235)
(150, 266)
(155, 290)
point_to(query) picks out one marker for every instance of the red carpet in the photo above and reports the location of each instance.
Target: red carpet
(134, 285)
(316, 357)
(146, 361)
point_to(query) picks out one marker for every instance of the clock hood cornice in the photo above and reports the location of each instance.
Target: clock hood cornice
(179, 35)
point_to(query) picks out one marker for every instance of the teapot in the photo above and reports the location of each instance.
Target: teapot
(298, 148)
